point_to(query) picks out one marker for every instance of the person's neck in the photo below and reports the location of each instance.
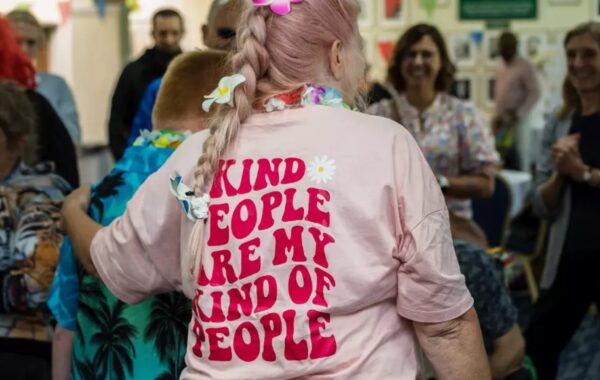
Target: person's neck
(590, 103)
(7, 167)
(421, 97)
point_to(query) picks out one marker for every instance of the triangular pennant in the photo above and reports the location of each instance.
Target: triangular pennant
(385, 49)
(101, 7)
(65, 7)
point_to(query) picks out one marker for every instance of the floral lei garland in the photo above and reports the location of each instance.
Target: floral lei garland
(308, 95)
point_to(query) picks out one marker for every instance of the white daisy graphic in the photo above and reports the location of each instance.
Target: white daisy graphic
(321, 169)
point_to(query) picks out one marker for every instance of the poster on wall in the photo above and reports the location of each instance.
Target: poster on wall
(533, 46)
(497, 9)
(463, 87)
(491, 48)
(392, 13)
(463, 50)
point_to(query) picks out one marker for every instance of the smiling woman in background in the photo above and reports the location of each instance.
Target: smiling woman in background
(568, 175)
(454, 137)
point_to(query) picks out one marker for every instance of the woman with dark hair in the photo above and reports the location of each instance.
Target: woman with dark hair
(568, 194)
(54, 143)
(454, 137)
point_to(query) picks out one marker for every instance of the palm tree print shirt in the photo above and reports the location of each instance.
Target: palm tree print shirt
(114, 340)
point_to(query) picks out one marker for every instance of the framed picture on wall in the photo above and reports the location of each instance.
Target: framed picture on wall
(491, 48)
(533, 45)
(463, 87)
(392, 13)
(488, 91)
(463, 50)
(367, 14)
(596, 10)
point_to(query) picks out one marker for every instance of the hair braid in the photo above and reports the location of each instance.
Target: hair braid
(252, 61)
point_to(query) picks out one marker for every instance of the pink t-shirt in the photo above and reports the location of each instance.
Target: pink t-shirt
(328, 233)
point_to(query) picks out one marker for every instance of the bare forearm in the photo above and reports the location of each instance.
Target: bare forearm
(551, 191)
(469, 187)
(509, 353)
(81, 229)
(62, 348)
(455, 348)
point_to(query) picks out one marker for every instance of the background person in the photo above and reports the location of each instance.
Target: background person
(54, 143)
(568, 194)
(454, 137)
(30, 199)
(30, 36)
(167, 32)
(218, 34)
(516, 92)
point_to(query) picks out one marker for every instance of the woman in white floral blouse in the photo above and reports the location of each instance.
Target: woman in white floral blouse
(454, 137)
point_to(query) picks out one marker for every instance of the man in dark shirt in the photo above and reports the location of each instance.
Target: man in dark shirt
(167, 31)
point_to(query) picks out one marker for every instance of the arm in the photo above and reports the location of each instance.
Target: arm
(455, 348)
(80, 227)
(471, 186)
(478, 157)
(509, 353)
(532, 91)
(62, 349)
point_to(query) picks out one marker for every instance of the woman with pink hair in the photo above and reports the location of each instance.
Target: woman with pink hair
(315, 243)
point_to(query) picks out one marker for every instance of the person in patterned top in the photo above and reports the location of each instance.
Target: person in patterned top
(30, 235)
(454, 137)
(147, 340)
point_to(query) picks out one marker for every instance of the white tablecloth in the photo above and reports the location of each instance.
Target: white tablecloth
(520, 185)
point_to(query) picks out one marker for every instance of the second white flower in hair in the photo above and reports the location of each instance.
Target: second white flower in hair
(224, 93)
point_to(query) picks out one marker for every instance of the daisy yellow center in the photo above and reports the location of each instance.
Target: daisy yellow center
(321, 169)
(223, 91)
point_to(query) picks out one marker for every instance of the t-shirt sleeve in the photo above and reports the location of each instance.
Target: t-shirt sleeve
(139, 253)
(477, 143)
(431, 288)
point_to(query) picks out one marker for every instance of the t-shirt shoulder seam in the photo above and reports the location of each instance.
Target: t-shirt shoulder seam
(425, 218)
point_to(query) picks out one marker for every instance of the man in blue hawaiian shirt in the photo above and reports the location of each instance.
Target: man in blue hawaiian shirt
(147, 340)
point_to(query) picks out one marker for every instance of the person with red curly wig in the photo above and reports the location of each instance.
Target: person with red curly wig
(14, 64)
(54, 143)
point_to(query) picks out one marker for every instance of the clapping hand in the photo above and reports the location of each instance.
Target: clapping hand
(567, 158)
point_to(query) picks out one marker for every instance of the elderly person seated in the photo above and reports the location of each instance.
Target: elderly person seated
(30, 236)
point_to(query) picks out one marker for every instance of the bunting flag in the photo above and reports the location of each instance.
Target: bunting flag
(132, 5)
(65, 7)
(429, 6)
(476, 37)
(385, 50)
(101, 7)
(23, 7)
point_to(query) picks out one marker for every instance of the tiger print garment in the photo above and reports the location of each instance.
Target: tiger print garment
(30, 238)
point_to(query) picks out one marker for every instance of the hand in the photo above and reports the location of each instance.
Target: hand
(78, 200)
(567, 158)
(506, 120)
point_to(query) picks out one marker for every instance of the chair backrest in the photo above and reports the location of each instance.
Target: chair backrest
(493, 214)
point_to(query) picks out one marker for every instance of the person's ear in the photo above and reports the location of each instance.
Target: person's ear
(336, 60)
(204, 31)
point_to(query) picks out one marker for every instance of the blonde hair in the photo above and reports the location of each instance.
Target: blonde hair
(189, 77)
